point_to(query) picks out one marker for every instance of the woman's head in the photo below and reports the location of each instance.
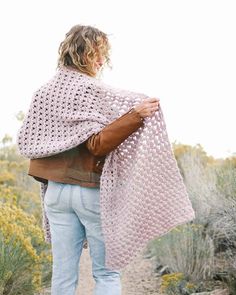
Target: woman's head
(84, 48)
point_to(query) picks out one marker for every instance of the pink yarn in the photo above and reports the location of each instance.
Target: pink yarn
(142, 194)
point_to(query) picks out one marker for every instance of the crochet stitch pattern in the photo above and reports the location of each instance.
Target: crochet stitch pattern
(142, 193)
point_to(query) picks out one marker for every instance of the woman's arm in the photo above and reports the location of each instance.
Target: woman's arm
(114, 133)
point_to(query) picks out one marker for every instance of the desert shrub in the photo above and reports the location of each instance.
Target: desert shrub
(27, 200)
(175, 284)
(209, 251)
(18, 188)
(226, 178)
(187, 249)
(25, 260)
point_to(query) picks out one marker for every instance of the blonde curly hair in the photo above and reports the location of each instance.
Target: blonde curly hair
(81, 48)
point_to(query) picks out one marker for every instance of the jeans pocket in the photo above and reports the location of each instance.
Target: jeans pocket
(53, 193)
(90, 199)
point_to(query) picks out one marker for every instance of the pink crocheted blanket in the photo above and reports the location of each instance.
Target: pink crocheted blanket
(142, 193)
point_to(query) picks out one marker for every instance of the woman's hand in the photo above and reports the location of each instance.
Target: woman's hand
(148, 107)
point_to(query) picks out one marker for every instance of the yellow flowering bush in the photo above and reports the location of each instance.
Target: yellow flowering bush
(27, 200)
(175, 283)
(7, 194)
(18, 188)
(25, 259)
(6, 177)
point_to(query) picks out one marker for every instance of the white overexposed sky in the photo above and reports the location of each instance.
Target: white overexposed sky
(181, 51)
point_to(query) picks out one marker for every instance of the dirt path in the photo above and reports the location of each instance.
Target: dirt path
(137, 278)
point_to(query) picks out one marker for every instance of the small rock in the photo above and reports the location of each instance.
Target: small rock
(215, 292)
(220, 292)
(164, 270)
(202, 293)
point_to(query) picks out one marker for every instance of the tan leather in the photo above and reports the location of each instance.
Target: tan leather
(83, 164)
(114, 134)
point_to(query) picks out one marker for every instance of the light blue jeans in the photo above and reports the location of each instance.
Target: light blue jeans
(74, 214)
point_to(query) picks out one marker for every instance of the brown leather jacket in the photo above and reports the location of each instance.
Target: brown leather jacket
(83, 164)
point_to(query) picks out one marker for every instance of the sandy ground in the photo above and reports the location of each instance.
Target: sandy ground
(138, 278)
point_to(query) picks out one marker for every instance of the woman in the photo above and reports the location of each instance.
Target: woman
(105, 163)
(73, 176)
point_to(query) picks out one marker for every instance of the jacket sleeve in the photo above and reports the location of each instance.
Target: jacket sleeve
(114, 133)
